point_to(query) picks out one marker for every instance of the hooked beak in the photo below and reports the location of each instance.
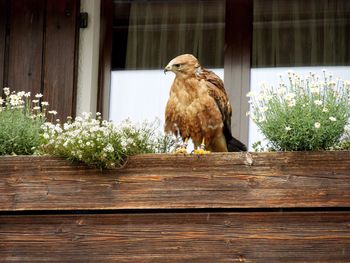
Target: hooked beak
(167, 68)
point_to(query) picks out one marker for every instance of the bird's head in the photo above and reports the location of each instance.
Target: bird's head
(183, 65)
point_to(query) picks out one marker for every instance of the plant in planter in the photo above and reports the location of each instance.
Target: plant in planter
(304, 113)
(101, 143)
(20, 122)
(96, 142)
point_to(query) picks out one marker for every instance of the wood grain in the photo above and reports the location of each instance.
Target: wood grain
(177, 237)
(61, 56)
(26, 45)
(231, 180)
(3, 20)
(105, 67)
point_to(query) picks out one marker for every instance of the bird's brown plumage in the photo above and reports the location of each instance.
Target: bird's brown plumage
(198, 106)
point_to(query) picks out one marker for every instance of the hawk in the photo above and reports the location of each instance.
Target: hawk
(198, 108)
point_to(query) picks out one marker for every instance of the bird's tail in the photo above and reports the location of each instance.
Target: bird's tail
(233, 145)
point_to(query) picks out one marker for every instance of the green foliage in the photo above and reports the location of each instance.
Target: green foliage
(304, 114)
(344, 143)
(144, 138)
(100, 143)
(20, 122)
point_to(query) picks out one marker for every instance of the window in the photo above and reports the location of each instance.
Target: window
(243, 41)
(146, 36)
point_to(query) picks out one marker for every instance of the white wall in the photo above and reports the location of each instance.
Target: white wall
(87, 82)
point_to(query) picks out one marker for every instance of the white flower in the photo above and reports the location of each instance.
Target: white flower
(53, 112)
(44, 103)
(36, 108)
(287, 128)
(347, 127)
(291, 103)
(86, 115)
(262, 119)
(317, 125)
(332, 119)
(251, 94)
(261, 96)
(39, 95)
(27, 95)
(7, 91)
(318, 102)
(15, 100)
(325, 109)
(109, 148)
(66, 126)
(1, 101)
(264, 109)
(58, 129)
(247, 113)
(35, 101)
(315, 90)
(20, 93)
(269, 97)
(290, 96)
(281, 90)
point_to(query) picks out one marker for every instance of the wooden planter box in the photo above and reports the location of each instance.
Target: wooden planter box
(234, 207)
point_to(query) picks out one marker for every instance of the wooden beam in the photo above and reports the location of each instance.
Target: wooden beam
(4, 10)
(238, 35)
(61, 56)
(26, 31)
(105, 58)
(177, 237)
(231, 180)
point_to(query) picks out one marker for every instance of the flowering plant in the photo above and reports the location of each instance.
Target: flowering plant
(304, 113)
(20, 121)
(98, 142)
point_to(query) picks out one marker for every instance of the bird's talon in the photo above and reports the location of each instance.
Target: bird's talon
(201, 151)
(181, 150)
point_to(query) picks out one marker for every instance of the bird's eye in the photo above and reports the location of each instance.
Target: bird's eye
(177, 65)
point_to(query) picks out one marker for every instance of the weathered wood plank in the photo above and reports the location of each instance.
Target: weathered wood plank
(272, 180)
(3, 21)
(25, 45)
(60, 53)
(177, 237)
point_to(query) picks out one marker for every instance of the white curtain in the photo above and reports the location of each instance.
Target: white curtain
(161, 30)
(301, 33)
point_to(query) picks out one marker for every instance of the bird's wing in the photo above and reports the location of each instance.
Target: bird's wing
(217, 92)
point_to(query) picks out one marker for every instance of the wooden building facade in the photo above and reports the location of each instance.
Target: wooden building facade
(38, 49)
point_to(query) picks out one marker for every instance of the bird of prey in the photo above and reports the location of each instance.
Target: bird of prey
(198, 108)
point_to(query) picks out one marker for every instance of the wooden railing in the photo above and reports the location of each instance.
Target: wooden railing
(234, 207)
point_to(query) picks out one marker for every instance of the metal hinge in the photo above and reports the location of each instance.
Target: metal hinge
(83, 20)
